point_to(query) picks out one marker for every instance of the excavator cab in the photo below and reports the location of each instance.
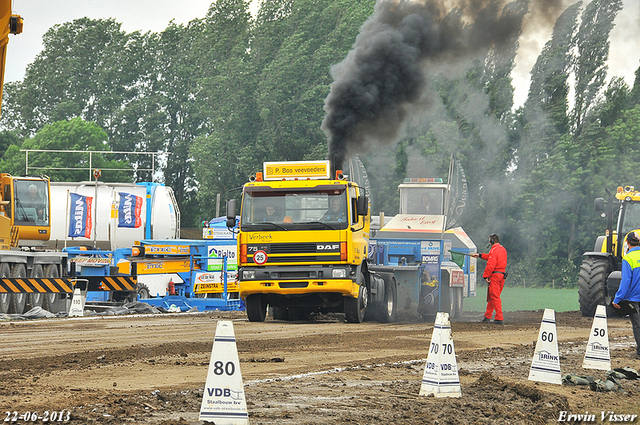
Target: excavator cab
(25, 202)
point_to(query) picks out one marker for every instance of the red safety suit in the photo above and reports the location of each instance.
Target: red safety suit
(494, 271)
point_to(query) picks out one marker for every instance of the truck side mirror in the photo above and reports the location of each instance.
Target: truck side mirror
(598, 205)
(231, 213)
(362, 205)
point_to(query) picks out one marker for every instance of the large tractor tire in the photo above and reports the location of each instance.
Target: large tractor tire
(591, 284)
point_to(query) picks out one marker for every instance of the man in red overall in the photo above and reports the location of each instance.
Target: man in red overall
(494, 273)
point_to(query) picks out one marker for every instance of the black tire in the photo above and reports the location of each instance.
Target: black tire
(5, 297)
(256, 308)
(143, 292)
(279, 313)
(447, 300)
(355, 308)
(591, 284)
(459, 301)
(35, 299)
(428, 303)
(297, 313)
(386, 312)
(52, 301)
(18, 300)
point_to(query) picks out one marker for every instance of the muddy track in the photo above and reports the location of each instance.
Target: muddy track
(152, 368)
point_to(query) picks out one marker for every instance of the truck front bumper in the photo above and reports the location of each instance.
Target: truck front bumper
(346, 287)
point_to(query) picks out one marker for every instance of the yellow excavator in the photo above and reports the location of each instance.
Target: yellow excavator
(25, 224)
(10, 24)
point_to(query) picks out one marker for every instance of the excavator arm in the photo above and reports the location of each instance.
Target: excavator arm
(9, 24)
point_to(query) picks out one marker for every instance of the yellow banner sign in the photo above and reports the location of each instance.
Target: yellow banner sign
(166, 249)
(297, 170)
(164, 266)
(215, 288)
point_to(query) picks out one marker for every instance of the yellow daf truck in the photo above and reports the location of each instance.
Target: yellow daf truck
(303, 245)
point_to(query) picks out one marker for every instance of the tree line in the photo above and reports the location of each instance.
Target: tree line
(224, 93)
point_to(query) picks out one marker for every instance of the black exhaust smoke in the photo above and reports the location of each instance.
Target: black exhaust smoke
(384, 75)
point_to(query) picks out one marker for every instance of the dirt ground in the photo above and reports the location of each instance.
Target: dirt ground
(151, 369)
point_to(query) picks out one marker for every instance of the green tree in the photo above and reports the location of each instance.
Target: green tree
(65, 136)
(593, 50)
(265, 100)
(544, 115)
(83, 71)
(7, 139)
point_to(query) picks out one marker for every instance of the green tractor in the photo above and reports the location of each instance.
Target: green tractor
(600, 271)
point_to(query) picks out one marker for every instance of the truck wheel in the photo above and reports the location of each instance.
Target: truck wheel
(143, 292)
(35, 299)
(447, 301)
(459, 301)
(297, 313)
(355, 308)
(591, 284)
(52, 301)
(387, 310)
(256, 308)
(428, 303)
(5, 297)
(18, 300)
(279, 313)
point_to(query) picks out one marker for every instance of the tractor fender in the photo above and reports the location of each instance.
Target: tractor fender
(613, 283)
(600, 242)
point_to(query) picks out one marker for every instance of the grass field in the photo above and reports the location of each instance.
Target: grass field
(516, 298)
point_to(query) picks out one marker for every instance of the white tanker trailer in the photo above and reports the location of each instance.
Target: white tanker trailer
(160, 215)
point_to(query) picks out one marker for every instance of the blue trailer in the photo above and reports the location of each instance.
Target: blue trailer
(415, 247)
(177, 273)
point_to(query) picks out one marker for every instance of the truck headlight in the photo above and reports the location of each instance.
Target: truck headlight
(339, 273)
(248, 274)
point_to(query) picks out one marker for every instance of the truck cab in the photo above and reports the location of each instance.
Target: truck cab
(26, 204)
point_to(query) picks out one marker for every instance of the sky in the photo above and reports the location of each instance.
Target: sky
(155, 15)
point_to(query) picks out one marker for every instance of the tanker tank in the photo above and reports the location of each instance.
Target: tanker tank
(160, 215)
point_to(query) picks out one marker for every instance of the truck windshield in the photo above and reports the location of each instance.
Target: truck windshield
(31, 203)
(290, 210)
(631, 218)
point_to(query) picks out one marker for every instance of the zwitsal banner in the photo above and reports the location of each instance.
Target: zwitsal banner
(80, 216)
(130, 210)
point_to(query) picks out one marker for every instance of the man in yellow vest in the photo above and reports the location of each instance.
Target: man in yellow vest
(629, 289)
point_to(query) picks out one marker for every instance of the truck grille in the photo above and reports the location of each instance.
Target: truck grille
(295, 275)
(299, 259)
(316, 252)
(292, 248)
(286, 285)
